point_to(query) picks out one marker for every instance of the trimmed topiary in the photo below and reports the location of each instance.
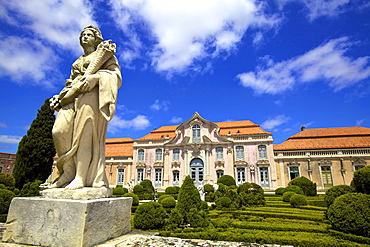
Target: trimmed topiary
(280, 191)
(188, 198)
(168, 202)
(361, 180)
(250, 194)
(335, 192)
(208, 188)
(150, 215)
(147, 186)
(308, 187)
(139, 191)
(135, 198)
(298, 200)
(31, 189)
(296, 189)
(120, 191)
(226, 180)
(223, 202)
(6, 197)
(350, 213)
(287, 195)
(163, 197)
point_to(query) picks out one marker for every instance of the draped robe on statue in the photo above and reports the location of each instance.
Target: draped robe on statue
(94, 109)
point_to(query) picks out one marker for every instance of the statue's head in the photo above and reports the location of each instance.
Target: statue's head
(95, 31)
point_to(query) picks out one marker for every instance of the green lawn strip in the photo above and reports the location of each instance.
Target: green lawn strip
(296, 239)
(270, 226)
(350, 237)
(277, 204)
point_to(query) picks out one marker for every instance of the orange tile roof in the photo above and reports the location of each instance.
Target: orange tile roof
(119, 147)
(235, 128)
(328, 138)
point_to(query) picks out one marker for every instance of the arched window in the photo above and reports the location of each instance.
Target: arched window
(196, 133)
(239, 153)
(158, 154)
(262, 152)
(140, 155)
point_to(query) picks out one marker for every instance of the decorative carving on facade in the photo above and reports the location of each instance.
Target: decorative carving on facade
(140, 164)
(293, 163)
(158, 164)
(359, 161)
(240, 163)
(175, 164)
(121, 166)
(219, 164)
(324, 162)
(252, 169)
(196, 149)
(263, 162)
(229, 150)
(166, 152)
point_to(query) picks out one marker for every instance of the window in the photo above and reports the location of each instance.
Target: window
(158, 177)
(158, 154)
(264, 177)
(219, 173)
(357, 166)
(240, 175)
(176, 154)
(262, 153)
(240, 153)
(140, 155)
(294, 172)
(140, 175)
(196, 133)
(176, 177)
(219, 153)
(326, 176)
(121, 173)
(1, 169)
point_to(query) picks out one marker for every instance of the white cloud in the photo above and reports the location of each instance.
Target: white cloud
(23, 57)
(160, 105)
(327, 62)
(3, 125)
(187, 31)
(360, 122)
(10, 139)
(140, 122)
(176, 120)
(319, 8)
(56, 21)
(271, 123)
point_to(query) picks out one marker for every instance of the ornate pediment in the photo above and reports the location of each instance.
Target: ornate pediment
(140, 164)
(240, 163)
(158, 164)
(175, 164)
(262, 162)
(324, 162)
(195, 149)
(219, 164)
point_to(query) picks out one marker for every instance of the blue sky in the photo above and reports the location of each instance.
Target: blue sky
(279, 63)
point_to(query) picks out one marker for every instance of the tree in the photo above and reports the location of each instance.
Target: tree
(361, 180)
(34, 158)
(308, 187)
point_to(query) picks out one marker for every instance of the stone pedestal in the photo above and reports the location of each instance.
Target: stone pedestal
(62, 222)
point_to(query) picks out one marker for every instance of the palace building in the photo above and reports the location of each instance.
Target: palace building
(206, 150)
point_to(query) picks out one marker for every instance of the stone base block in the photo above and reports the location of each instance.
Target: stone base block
(60, 222)
(79, 194)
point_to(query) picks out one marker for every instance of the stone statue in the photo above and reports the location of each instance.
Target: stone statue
(85, 106)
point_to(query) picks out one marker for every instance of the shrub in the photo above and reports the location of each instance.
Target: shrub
(223, 202)
(209, 188)
(172, 190)
(31, 189)
(308, 187)
(8, 181)
(188, 198)
(135, 198)
(163, 196)
(139, 190)
(298, 200)
(198, 218)
(147, 186)
(350, 213)
(120, 191)
(168, 202)
(279, 191)
(361, 180)
(296, 189)
(335, 192)
(250, 194)
(287, 195)
(6, 197)
(226, 180)
(150, 215)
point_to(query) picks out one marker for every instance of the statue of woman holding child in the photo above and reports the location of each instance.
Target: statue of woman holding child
(85, 106)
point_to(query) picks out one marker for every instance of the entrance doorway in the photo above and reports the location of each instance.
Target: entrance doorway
(197, 171)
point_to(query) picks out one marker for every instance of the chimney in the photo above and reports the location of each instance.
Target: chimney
(303, 128)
